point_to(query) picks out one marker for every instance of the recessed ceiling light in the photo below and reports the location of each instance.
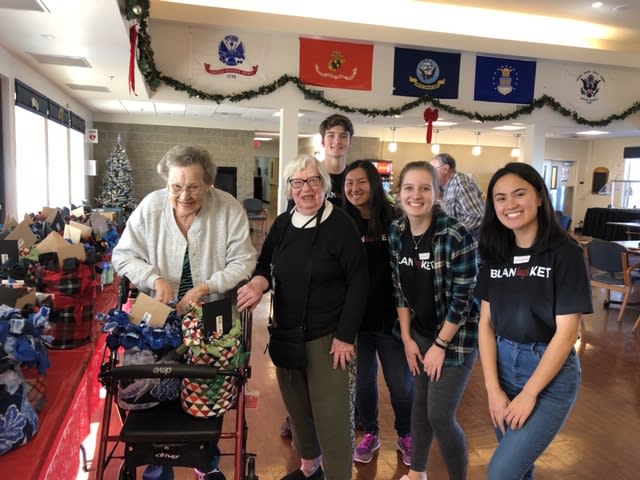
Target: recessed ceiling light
(508, 128)
(278, 113)
(592, 132)
(88, 88)
(48, 36)
(596, 4)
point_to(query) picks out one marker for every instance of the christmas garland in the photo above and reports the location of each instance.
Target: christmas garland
(138, 10)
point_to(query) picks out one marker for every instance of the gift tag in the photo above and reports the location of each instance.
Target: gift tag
(149, 310)
(9, 251)
(216, 316)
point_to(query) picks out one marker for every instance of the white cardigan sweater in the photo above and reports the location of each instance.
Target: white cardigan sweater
(220, 249)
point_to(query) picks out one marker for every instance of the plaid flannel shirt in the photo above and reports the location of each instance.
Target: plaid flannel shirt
(455, 273)
(462, 199)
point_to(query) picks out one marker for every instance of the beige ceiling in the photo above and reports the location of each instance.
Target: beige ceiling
(94, 30)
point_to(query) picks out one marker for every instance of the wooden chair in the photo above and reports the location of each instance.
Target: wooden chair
(613, 271)
(256, 213)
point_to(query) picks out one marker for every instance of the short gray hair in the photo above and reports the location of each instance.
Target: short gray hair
(299, 164)
(446, 159)
(185, 155)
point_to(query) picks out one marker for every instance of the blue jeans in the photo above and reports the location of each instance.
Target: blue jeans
(434, 414)
(519, 449)
(396, 375)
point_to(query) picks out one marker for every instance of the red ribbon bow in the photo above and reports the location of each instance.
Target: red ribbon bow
(133, 41)
(430, 116)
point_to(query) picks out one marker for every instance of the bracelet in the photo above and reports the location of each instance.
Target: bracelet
(442, 340)
(439, 345)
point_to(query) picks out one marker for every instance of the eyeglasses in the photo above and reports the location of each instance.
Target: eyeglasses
(297, 183)
(177, 189)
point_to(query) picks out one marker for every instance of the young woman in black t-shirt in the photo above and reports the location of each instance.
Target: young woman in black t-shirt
(534, 288)
(366, 202)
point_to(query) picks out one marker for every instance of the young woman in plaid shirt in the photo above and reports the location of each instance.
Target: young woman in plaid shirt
(434, 268)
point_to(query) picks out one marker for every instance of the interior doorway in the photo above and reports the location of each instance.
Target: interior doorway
(263, 178)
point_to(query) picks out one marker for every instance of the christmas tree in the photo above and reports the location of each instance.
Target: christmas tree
(117, 182)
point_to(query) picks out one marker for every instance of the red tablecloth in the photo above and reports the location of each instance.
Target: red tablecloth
(72, 396)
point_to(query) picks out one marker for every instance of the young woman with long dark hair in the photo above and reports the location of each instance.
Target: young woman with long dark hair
(534, 288)
(366, 202)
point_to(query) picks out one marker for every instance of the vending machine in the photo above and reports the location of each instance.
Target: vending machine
(385, 169)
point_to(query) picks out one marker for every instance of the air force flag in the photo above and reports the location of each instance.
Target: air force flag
(504, 80)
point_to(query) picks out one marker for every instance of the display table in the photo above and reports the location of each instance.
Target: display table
(597, 222)
(71, 399)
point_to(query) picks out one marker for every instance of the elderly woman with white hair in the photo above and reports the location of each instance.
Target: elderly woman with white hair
(314, 262)
(186, 243)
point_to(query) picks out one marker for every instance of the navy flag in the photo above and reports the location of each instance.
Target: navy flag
(504, 80)
(421, 72)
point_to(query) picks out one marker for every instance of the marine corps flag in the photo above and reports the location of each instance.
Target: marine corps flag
(333, 64)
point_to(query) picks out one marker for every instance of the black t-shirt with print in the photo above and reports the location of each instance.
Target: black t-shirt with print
(527, 292)
(416, 278)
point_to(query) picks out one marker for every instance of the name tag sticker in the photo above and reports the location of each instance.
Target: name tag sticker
(521, 259)
(424, 256)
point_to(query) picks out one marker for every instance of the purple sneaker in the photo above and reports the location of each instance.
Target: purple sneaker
(369, 444)
(405, 445)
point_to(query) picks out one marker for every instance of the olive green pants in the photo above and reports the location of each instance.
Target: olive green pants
(318, 400)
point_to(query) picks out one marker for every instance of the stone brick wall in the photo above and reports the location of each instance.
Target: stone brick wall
(145, 145)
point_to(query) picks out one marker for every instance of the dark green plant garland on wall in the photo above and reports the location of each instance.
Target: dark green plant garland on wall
(138, 10)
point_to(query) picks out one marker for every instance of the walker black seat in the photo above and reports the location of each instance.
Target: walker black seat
(168, 423)
(167, 435)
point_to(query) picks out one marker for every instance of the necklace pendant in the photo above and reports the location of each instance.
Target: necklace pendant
(416, 244)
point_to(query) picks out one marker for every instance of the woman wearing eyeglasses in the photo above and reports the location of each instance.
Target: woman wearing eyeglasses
(314, 262)
(187, 242)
